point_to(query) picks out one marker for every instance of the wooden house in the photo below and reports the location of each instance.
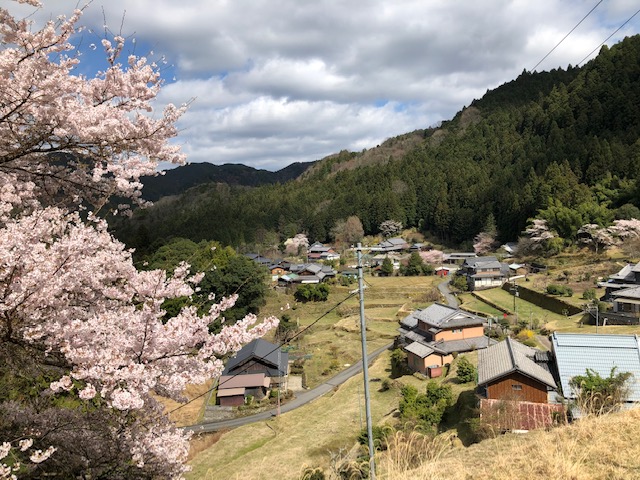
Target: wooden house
(260, 356)
(517, 387)
(511, 370)
(233, 390)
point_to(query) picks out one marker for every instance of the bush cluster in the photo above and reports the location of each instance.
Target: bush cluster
(561, 290)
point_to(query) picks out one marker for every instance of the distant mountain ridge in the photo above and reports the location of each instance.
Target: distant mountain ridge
(561, 145)
(178, 180)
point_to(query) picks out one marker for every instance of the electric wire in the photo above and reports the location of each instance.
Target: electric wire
(606, 39)
(352, 294)
(565, 37)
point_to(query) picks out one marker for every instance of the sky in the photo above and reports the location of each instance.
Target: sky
(275, 82)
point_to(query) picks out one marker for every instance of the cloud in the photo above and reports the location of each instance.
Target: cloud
(279, 81)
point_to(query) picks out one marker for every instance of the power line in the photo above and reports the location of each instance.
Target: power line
(565, 37)
(272, 351)
(606, 39)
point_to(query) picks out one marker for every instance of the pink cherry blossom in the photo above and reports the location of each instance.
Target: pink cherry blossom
(69, 291)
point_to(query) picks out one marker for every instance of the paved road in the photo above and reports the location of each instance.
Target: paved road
(451, 299)
(301, 398)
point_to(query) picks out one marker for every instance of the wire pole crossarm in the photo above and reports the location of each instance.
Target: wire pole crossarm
(365, 368)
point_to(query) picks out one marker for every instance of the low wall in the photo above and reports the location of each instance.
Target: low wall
(553, 304)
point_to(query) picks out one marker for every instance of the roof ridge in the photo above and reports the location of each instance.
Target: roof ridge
(511, 355)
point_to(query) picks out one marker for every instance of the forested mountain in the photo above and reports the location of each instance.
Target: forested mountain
(561, 145)
(180, 179)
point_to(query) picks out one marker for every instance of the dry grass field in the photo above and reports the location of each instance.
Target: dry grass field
(593, 448)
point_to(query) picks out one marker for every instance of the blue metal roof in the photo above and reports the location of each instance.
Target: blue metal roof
(576, 352)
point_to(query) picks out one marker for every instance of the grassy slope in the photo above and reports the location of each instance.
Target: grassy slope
(280, 447)
(594, 448)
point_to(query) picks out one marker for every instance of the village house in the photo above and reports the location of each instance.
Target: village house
(307, 273)
(517, 379)
(457, 258)
(627, 277)
(276, 271)
(484, 272)
(432, 335)
(396, 244)
(233, 390)
(512, 370)
(318, 251)
(261, 356)
(627, 301)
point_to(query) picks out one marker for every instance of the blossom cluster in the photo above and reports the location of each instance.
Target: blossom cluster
(68, 289)
(9, 471)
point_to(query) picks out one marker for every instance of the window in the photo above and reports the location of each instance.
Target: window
(516, 387)
(457, 330)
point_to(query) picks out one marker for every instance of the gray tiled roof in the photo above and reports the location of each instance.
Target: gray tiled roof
(270, 355)
(576, 352)
(507, 357)
(625, 273)
(442, 317)
(419, 349)
(482, 261)
(633, 292)
(465, 345)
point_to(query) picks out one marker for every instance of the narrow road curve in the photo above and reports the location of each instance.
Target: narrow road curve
(451, 299)
(301, 398)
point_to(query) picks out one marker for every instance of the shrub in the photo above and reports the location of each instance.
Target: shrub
(466, 371)
(379, 434)
(399, 365)
(562, 290)
(318, 292)
(425, 410)
(597, 395)
(459, 282)
(589, 294)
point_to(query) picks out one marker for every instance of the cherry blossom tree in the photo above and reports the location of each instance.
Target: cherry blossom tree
(84, 349)
(296, 244)
(432, 256)
(389, 228)
(539, 239)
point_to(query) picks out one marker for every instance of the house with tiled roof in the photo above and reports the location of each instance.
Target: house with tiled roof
(432, 335)
(627, 301)
(307, 273)
(260, 356)
(627, 277)
(517, 379)
(395, 244)
(233, 390)
(510, 369)
(318, 251)
(484, 272)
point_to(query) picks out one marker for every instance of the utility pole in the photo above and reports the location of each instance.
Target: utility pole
(515, 294)
(365, 367)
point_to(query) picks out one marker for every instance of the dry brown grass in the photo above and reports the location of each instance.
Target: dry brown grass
(281, 447)
(189, 413)
(603, 447)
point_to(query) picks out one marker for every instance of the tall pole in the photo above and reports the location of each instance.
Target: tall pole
(365, 368)
(515, 294)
